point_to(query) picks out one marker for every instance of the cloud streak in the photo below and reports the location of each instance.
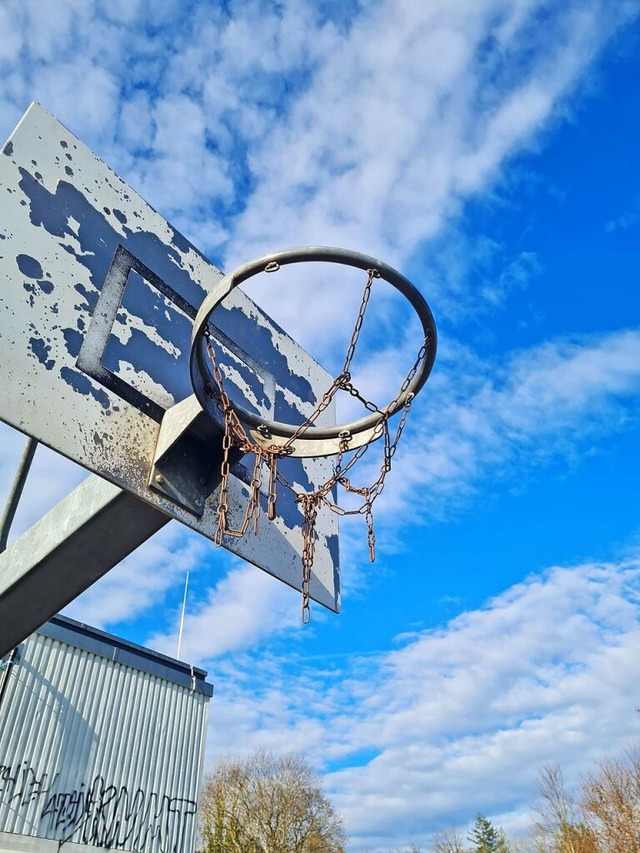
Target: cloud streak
(543, 402)
(254, 126)
(459, 718)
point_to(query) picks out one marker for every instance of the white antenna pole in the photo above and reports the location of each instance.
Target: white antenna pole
(184, 605)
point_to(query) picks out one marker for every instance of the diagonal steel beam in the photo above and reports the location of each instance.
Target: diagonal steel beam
(78, 541)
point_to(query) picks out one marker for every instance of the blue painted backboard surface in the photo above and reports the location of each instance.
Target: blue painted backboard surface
(97, 299)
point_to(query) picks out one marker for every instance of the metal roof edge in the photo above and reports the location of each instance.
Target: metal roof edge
(80, 635)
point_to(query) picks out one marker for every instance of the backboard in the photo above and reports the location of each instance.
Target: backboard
(97, 299)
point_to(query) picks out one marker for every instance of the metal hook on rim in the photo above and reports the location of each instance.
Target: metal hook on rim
(345, 436)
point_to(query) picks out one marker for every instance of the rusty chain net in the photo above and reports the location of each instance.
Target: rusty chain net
(235, 437)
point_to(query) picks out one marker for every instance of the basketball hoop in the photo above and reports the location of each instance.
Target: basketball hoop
(319, 441)
(272, 440)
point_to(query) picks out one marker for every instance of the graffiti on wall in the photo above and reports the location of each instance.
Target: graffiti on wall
(99, 813)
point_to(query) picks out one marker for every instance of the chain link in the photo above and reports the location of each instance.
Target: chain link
(371, 274)
(235, 436)
(309, 503)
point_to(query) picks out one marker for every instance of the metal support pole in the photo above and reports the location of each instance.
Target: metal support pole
(16, 491)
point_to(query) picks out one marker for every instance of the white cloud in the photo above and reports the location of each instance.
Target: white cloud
(268, 126)
(182, 166)
(53, 33)
(382, 145)
(543, 402)
(622, 223)
(240, 611)
(136, 122)
(120, 11)
(467, 715)
(295, 122)
(141, 581)
(93, 91)
(458, 719)
(11, 41)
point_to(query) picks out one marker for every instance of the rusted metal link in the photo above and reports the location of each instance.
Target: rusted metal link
(235, 436)
(371, 274)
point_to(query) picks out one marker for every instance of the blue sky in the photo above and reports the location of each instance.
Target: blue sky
(490, 151)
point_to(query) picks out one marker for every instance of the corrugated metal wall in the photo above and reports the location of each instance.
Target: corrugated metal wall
(98, 752)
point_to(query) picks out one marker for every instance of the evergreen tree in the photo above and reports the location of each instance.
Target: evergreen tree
(486, 838)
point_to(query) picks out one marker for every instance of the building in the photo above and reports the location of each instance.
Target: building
(101, 744)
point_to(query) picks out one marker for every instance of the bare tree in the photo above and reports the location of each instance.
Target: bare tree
(267, 804)
(560, 826)
(611, 800)
(448, 841)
